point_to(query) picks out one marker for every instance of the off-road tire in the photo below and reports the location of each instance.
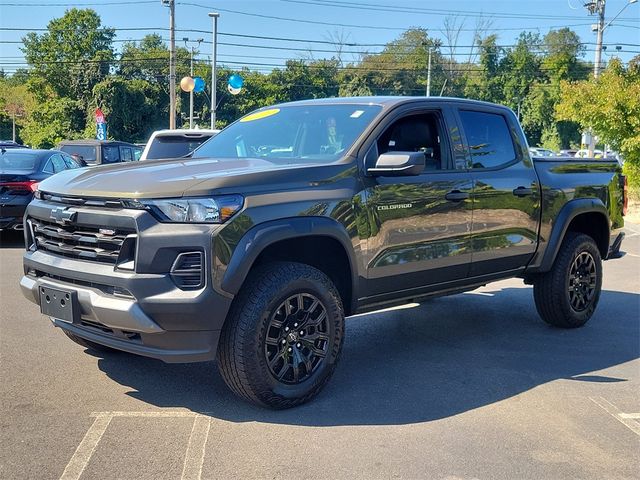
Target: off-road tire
(96, 347)
(241, 349)
(551, 290)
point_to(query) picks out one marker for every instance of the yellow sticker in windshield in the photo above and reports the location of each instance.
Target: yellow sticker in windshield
(259, 115)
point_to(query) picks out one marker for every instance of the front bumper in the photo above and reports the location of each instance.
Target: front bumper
(141, 311)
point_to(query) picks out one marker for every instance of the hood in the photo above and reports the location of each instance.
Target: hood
(169, 178)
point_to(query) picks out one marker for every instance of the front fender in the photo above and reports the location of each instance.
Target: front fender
(264, 234)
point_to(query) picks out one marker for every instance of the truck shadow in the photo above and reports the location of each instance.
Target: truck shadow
(443, 358)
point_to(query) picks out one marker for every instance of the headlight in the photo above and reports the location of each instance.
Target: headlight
(194, 210)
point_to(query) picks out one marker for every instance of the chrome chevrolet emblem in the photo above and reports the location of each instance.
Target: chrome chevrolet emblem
(62, 216)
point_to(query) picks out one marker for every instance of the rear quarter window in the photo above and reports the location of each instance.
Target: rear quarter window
(488, 139)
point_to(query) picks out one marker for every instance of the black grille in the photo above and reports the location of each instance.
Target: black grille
(79, 241)
(187, 271)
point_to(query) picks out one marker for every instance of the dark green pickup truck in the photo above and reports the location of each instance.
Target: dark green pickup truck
(255, 250)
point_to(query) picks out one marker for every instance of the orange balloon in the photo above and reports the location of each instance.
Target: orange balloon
(187, 84)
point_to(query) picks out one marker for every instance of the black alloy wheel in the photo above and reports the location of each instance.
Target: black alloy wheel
(297, 338)
(282, 339)
(567, 295)
(582, 282)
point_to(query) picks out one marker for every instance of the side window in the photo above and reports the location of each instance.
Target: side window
(416, 133)
(58, 163)
(125, 154)
(69, 162)
(488, 137)
(48, 167)
(110, 154)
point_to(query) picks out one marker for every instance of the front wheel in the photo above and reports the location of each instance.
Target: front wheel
(283, 337)
(568, 295)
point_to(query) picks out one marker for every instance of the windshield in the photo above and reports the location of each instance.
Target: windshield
(18, 161)
(174, 146)
(316, 133)
(87, 152)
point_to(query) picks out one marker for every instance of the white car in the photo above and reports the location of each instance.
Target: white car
(174, 143)
(584, 153)
(541, 152)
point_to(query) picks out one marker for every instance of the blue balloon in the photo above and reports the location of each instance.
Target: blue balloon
(198, 84)
(236, 81)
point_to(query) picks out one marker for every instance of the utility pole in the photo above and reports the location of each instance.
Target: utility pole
(172, 64)
(598, 8)
(429, 74)
(214, 16)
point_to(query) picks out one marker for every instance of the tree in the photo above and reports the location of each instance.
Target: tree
(16, 102)
(610, 105)
(132, 108)
(73, 55)
(401, 68)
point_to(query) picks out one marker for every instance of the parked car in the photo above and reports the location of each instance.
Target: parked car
(175, 143)
(584, 153)
(297, 215)
(568, 153)
(21, 170)
(100, 152)
(541, 152)
(5, 144)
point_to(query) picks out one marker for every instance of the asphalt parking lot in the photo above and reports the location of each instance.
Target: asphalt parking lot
(469, 386)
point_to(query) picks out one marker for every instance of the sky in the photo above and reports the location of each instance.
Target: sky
(312, 27)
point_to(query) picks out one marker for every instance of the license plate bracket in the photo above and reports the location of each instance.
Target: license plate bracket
(59, 304)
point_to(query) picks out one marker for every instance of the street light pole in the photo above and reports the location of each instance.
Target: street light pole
(214, 16)
(429, 74)
(172, 64)
(193, 49)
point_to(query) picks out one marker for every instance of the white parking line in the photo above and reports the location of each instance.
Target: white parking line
(629, 415)
(176, 414)
(194, 458)
(627, 419)
(83, 453)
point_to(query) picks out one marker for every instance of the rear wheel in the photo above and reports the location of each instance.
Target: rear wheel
(96, 347)
(283, 337)
(567, 295)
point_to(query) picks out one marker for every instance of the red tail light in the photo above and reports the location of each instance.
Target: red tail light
(28, 186)
(625, 196)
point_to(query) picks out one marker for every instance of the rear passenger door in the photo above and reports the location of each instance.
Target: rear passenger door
(506, 192)
(419, 225)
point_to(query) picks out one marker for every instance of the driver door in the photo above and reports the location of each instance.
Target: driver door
(419, 225)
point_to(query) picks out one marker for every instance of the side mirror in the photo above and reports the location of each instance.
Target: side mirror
(395, 164)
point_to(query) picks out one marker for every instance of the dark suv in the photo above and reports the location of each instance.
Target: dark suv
(100, 152)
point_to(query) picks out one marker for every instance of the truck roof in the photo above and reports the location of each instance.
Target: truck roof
(385, 101)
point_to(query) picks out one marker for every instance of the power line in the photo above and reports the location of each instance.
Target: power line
(428, 11)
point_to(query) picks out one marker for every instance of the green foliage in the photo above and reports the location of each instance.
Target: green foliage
(131, 106)
(54, 119)
(73, 55)
(610, 105)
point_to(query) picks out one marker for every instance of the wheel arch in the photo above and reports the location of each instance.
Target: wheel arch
(584, 215)
(317, 241)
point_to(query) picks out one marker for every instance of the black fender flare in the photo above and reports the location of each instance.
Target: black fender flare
(567, 213)
(260, 236)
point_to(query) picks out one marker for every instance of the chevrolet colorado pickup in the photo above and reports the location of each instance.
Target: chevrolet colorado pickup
(254, 250)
